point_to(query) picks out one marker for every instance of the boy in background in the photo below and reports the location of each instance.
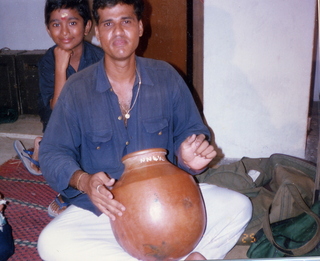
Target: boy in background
(67, 23)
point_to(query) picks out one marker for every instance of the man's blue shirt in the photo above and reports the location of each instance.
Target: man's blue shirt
(86, 130)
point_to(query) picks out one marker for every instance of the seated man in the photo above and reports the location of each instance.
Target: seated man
(121, 105)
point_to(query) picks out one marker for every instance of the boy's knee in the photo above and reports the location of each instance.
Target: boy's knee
(37, 141)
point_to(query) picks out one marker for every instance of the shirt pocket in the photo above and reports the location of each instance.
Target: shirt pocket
(99, 148)
(156, 132)
(96, 138)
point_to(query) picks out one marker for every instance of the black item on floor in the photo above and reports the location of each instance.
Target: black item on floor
(8, 115)
(9, 86)
(28, 79)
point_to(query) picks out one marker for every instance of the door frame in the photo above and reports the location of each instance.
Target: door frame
(197, 49)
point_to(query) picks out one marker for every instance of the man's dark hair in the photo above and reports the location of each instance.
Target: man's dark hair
(138, 6)
(82, 6)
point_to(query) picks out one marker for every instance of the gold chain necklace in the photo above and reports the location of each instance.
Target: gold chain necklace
(127, 112)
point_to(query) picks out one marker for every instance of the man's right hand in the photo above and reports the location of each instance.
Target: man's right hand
(98, 187)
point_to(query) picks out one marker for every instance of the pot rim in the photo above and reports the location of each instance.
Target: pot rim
(143, 152)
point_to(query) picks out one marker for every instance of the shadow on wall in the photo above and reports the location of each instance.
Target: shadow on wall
(237, 105)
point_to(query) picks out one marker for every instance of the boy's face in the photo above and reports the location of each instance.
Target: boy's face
(118, 31)
(66, 28)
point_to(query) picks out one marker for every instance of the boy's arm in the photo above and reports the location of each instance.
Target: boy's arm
(62, 59)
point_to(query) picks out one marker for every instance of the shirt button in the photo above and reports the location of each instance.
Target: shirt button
(120, 118)
(160, 133)
(98, 148)
(111, 90)
(127, 143)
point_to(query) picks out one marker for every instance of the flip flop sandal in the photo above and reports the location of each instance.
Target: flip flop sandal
(24, 156)
(30, 153)
(58, 206)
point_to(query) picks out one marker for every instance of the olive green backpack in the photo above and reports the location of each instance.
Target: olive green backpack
(280, 187)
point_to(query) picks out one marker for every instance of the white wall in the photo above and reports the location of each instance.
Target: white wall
(22, 25)
(257, 64)
(257, 60)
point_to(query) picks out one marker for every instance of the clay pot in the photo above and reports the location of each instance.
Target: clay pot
(165, 215)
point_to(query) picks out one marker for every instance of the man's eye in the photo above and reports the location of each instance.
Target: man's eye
(73, 23)
(55, 25)
(107, 24)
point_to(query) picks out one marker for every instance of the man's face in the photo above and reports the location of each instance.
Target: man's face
(118, 31)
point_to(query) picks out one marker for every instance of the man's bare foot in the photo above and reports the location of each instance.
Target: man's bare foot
(195, 256)
(57, 206)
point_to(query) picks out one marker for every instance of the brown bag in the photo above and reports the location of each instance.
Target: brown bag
(270, 188)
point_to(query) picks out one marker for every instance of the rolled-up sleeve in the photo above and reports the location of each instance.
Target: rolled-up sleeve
(59, 150)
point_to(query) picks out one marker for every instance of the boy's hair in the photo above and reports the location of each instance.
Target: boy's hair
(82, 6)
(138, 6)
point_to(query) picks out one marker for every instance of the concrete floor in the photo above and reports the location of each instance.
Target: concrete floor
(25, 129)
(28, 127)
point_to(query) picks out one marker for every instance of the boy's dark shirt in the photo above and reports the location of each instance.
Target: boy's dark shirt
(91, 54)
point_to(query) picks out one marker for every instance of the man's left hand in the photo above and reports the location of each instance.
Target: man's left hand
(196, 152)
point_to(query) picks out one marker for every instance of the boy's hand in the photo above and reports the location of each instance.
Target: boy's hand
(62, 58)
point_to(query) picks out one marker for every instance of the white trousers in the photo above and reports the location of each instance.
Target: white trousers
(78, 234)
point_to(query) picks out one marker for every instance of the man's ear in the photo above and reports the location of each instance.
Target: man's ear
(97, 33)
(140, 28)
(88, 27)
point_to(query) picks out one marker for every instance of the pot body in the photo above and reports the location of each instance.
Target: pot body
(165, 215)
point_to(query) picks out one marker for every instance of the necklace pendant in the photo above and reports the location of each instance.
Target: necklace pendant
(127, 116)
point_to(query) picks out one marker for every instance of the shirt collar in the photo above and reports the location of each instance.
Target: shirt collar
(103, 83)
(86, 57)
(141, 66)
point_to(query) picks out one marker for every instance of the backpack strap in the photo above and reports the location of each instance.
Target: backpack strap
(311, 244)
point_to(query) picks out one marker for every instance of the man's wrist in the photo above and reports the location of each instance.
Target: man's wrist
(77, 180)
